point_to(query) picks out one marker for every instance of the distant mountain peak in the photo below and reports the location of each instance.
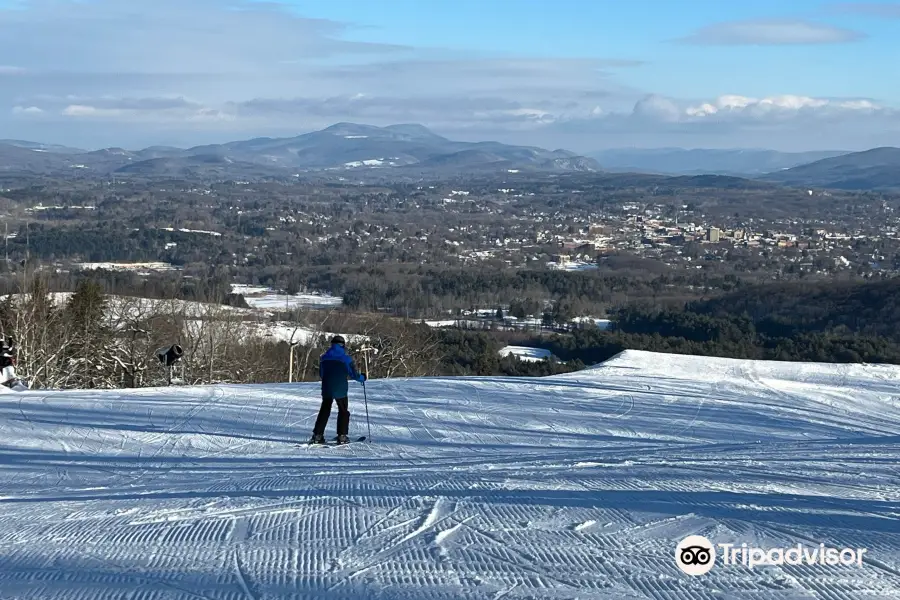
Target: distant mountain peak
(883, 152)
(413, 129)
(339, 147)
(344, 127)
(400, 130)
(876, 168)
(39, 147)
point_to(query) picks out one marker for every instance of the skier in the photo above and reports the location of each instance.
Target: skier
(8, 375)
(7, 352)
(335, 368)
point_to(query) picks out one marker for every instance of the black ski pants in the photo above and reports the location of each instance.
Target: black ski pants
(343, 420)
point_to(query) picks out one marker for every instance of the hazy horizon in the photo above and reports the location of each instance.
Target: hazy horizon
(585, 76)
(288, 135)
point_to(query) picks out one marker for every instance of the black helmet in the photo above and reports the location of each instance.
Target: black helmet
(338, 340)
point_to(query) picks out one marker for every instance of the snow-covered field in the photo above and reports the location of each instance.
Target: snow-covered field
(526, 353)
(267, 299)
(286, 302)
(572, 486)
(122, 310)
(133, 307)
(111, 266)
(119, 307)
(572, 266)
(296, 334)
(243, 288)
(511, 323)
(599, 323)
(183, 230)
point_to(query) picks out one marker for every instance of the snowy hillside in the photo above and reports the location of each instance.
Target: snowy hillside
(268, 299)
(122, 311)
(572, 486)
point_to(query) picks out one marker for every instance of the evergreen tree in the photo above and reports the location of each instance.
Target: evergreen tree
(89, 348)
(517, 309)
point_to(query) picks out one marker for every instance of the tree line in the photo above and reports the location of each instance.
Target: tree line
(91, 339)
(826, 322)
(88, 339)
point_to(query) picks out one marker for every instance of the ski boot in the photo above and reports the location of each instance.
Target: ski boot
(317, 438)
(343, 439)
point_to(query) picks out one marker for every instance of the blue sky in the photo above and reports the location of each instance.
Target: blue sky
(643, 30)
(584, 75)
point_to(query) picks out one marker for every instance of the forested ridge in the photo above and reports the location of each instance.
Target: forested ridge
(796, 277)
(833, 322)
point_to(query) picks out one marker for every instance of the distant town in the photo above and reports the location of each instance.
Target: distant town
(537, 262)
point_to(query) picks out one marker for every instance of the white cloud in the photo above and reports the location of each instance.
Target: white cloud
(202, 71)
(150, 110)
(749, 111)
(449, 110)
(772, 32)
(27, 110)
(725, 115)
(785, 105)
(263, 70)
(80, 110)
(788, 122)
(742, 104)
(173, 36)
(554, 123)
(531, 114)
(656, 107)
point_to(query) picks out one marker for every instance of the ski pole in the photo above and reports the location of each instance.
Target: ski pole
(366, 400)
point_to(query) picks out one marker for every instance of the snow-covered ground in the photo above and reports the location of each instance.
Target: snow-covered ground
(297, 334)
(443, 323)
(572, 266)
(286, 302)
(183, 230)
(243, 288)
(511, 323)
(526, 353)
(122, 310)
(572, 486)
(267, 299)
(135, 307)
(599, 323)
(112, 266)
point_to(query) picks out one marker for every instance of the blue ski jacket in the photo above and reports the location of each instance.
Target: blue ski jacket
(335, 368)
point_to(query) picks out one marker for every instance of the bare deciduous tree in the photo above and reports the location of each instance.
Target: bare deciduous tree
(91, 340)
(403, 349)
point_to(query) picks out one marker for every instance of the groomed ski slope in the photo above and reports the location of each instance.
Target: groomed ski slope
(573, 486)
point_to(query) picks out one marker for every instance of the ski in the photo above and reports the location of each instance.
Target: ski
(333, 443)
(359, 439)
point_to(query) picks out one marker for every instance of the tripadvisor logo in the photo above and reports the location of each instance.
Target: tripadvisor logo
(696, 555)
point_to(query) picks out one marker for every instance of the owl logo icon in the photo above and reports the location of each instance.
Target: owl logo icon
(695, 555)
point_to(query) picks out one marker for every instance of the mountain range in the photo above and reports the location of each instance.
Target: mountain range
(342, 147)
(701, 161)
(413, 150)
(875, 169)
